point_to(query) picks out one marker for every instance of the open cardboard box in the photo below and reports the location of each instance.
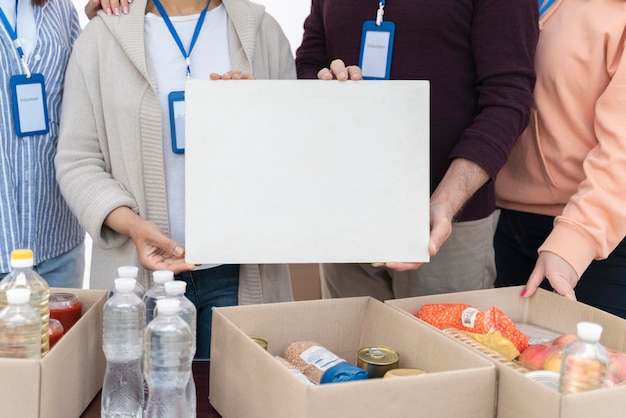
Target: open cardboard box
(518, 396)
(247, 381)
(66, 380)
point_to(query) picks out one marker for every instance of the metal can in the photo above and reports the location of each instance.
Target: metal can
(260, 341)
(377, 360)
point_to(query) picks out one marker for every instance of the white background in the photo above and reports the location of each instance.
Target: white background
(289, 13)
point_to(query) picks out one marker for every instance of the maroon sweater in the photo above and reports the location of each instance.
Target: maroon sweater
(477, 54)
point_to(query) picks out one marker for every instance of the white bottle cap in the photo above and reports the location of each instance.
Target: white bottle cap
(175, 288)
(18, 296)
(162, 276)
(128, 271)
(589, 331)
(167, 306)
(125, 284)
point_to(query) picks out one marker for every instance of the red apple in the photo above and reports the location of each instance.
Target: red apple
(535, 355)
(553, 361)
(563, 340)
(617, 366)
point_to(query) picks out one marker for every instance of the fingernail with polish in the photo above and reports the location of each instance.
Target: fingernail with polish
(523, 293)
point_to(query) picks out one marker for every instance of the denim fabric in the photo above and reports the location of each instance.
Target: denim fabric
(65, 270)
(518, 237)
(208, 288)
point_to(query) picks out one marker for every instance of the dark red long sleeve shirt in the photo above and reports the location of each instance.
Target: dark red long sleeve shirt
(477, 54)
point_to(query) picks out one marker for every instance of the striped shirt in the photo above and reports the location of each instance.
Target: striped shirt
(33, 214)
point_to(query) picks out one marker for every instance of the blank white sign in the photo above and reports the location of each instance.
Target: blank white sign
(306, 171)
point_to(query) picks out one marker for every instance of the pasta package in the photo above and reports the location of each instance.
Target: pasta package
(493, 328)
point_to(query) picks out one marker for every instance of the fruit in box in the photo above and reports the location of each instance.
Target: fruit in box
(563, 340)
(553, 360)
(617, 366)
(535, 355)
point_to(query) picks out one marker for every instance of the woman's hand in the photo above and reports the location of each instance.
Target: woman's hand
(110, 7)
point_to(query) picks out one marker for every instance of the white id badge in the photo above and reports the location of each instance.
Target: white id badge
(176, 100)
(30, 111)
(376, 50)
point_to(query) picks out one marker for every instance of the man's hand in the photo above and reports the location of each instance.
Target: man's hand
(109, 6)
(560, 274)
(339, 71)
(231, 75)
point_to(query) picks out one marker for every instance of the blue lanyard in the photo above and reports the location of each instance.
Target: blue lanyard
(194, 38)
(544, 5)
(16, 42)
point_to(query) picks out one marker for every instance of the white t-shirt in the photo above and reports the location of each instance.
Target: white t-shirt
(209, 55)
(26, 28)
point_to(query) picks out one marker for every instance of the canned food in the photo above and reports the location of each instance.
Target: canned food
(403, 372)
(260, 341)
(377, 360)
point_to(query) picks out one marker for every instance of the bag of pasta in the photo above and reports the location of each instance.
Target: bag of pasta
(492, 328)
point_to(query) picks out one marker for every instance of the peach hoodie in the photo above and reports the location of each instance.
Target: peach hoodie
(571, 160)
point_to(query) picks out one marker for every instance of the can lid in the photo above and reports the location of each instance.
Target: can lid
(22, 257)
(175, 287)
(18, 296)
(378, 355)
(162, 276)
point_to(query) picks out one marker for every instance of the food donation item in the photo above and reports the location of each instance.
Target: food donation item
(320, 365)
(493, 328)
(403, 373)
(377, 360)
(67, 308)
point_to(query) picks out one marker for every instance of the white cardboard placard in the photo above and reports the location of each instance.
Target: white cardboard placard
(306, 171)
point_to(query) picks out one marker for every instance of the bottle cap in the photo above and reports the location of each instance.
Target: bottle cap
(124, 284)
(589, 331)
(22, 258)
(167, 306)
(18, 296)
(175, 288)
(162, 276)
(127, 271)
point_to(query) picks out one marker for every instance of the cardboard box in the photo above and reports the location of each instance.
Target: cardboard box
(66, 380)
(247, 381)
(518, 396)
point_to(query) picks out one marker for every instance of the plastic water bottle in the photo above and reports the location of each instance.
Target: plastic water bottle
(156, 292)
(585, 362)
(167, 362)
(129, 272)
(176, 290)
(22, 275)
(122, 342)
(19, 327)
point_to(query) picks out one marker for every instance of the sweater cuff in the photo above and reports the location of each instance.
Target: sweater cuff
(573, 246)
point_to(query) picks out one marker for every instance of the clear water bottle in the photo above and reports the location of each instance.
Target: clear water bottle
(585, 362)
(22, 275)
(129, 272)
(156, 292)
(122, 342)
(20, 327)
(167, 362)
(176, 290)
